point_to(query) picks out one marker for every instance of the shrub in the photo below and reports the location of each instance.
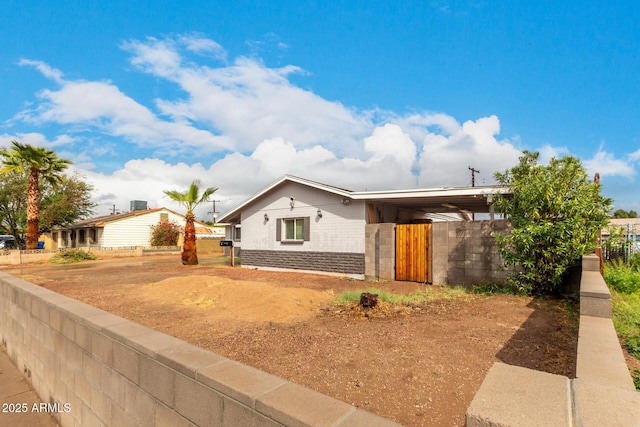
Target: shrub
(498, 289)
(624, 281)
(634, 262)
(166, 233)
(72, 255)
(621, 277)
(555, 212)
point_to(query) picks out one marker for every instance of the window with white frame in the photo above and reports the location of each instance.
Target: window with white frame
(293, 229)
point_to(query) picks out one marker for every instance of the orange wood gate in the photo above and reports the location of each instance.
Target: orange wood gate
(413, 252)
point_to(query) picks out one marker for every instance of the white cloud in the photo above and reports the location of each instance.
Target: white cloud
(249, 101)
(606, 164)
(635, 156)
(143, 179)
(48, 71)
(159, 57)
(199, 44)
(102, 107)
(36, 139)
(390, 140)
(547, 152)
(445, 159)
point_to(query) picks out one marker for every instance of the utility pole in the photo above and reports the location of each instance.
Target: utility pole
(473, 175)
(214, 213)
(473, 184)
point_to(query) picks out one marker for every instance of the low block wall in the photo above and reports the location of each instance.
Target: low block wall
(602, 394)
(104, 370)
(17, 257)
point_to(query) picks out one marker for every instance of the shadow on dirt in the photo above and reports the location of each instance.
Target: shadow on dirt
(548, 343)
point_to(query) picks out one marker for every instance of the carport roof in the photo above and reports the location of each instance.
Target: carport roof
(437, 200)
(427, 200)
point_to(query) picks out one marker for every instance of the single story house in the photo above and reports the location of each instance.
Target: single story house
(295, 223)
(625, 228)
(125, 229)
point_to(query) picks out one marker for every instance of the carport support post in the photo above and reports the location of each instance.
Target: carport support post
(231, 254)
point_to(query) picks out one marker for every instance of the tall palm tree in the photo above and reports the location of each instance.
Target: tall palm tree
(190, 199)
(39, 163)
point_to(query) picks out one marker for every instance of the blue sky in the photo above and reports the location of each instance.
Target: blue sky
(146, 96)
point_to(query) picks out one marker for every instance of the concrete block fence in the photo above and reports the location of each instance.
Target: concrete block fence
(17, 257)
(466, 253)
(97, 369)
(602, 394)
(463, 253)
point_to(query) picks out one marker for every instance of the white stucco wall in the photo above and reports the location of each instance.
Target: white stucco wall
(134, 231)
(340, 229)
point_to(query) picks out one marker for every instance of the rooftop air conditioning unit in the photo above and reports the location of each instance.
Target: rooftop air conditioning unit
(138, 205)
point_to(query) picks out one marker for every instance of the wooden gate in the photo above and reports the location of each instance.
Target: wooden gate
(413, 252)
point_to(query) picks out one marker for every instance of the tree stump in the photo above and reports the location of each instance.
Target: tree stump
(368, 300)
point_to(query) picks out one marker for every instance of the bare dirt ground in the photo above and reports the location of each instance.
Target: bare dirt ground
(419, 366)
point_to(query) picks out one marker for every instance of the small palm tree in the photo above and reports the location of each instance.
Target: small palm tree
(39, 163)
(190, 199)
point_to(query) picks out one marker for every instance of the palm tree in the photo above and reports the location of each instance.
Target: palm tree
(190, 199)
(37, 162)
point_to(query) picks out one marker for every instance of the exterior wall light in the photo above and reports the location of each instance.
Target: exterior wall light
(266, 217)
(319, 213)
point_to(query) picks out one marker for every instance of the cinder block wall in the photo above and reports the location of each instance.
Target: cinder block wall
(103, 370)
(465, 253)
(380, 251)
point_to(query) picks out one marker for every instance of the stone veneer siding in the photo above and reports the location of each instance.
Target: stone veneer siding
(332, 262)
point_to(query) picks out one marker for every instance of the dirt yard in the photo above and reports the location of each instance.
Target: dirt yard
(419, 365)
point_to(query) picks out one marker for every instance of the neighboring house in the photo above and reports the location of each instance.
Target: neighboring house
(627, 228)
(295, 223)
(117, 230)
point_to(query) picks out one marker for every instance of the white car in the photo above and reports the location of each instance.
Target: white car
(8, 242)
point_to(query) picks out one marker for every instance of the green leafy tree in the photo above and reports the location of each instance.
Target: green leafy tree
(190, 199)
(555, 213)
(13, 204)
(38, 163)
(166, 233)
(621, 213)
(64, 204)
